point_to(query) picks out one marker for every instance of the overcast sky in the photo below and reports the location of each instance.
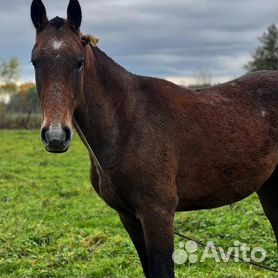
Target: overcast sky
(173, 39)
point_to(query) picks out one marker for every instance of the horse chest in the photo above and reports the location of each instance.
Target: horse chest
(106, 191)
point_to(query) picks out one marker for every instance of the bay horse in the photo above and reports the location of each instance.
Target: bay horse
(160, 148)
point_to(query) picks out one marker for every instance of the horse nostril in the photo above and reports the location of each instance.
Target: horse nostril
(56, 138)
(43, 135)
(68, 135)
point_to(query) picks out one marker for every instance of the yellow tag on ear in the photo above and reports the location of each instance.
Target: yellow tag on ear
(89, 39)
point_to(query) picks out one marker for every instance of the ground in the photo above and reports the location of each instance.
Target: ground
(52, 223)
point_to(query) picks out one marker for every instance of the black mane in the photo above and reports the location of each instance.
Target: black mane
(57, 21)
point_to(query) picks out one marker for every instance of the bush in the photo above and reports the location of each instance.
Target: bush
(18, 121)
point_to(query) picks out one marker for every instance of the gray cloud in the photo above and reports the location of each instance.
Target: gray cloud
(160, 38)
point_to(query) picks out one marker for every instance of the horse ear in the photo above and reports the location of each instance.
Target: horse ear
(38, 14)
(74, 14)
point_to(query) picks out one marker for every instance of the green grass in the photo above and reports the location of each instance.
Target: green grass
(52, 224)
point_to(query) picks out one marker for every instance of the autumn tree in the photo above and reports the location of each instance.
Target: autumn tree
(25, 101)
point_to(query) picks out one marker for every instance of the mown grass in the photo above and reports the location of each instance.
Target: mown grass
(52, 224)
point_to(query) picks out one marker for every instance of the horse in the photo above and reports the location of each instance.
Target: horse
(155, 147)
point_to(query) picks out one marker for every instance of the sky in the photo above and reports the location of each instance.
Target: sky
(179, 40)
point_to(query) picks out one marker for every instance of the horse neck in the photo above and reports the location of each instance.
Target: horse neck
(104, 107)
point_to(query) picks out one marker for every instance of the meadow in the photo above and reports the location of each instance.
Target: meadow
(52, 223)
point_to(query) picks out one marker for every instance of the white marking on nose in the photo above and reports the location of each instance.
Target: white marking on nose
(57, 44)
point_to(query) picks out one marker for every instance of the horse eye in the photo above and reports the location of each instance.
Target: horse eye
(35, 63)
(80, 63)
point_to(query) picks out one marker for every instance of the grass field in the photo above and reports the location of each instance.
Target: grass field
(52, 224)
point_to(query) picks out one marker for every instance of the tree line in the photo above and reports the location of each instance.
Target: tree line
(19, 104)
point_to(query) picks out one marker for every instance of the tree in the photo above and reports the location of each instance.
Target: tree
(9, 71)
(266, 55)
(9, 75)
(25, 101)
(203, 78)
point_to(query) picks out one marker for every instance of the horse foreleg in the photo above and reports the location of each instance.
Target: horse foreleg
(135, 231)
(268, 195)
(158, 231)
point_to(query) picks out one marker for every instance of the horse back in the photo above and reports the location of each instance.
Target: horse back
(215, 138)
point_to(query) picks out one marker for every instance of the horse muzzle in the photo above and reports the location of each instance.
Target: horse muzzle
(56, 138)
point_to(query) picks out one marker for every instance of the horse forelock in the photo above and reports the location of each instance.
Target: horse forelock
(57, 22)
